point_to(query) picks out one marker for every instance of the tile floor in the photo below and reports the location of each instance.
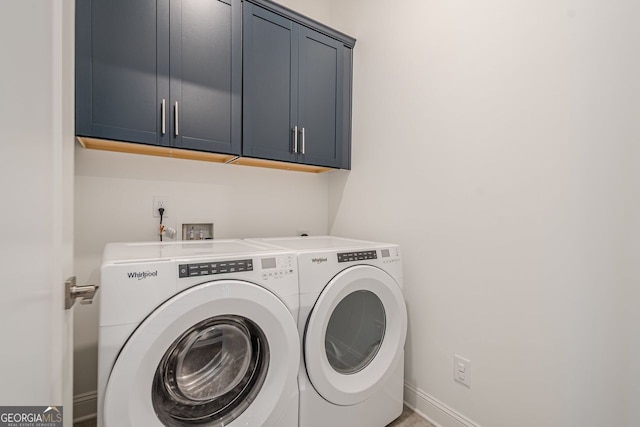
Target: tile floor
(407, 419)
(410, 419)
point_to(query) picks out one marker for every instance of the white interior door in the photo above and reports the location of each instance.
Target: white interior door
(36, 175)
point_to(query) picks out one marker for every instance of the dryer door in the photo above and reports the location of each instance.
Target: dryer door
(220, 353)
(355, 335)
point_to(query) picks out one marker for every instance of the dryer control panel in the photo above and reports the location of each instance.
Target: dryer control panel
(218, 267)
(386, 255)
(357, 256)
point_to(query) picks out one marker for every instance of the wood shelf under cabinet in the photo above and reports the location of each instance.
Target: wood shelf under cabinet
(154, 150)
(298, 167)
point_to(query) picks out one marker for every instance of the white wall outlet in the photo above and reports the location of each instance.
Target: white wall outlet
(462, 370)
(161, 202)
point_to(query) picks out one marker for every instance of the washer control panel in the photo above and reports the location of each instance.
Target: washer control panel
(357, 256)
(218, 267)
(391, 255)
(277, 267)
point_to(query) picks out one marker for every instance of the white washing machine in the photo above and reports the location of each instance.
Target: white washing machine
(198, 334)
(352, 325)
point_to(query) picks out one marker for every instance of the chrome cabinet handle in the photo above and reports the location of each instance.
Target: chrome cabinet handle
(175, 112)
(164, 117)
(302, 140)
(295, 139)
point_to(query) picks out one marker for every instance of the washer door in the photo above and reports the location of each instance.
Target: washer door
(355, 335)
(222, 353)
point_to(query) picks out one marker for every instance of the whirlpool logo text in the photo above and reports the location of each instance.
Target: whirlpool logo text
(140, 275)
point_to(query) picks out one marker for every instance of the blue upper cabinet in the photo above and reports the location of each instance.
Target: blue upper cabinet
(297, 88)
(270, 91)
(161, 72)
(320, 89)
(206, 75)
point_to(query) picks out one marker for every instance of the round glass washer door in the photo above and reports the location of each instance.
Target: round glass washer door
(355, 335)
(211, 373)
(222, 353)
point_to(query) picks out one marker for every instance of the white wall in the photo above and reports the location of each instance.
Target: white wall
(495, 141)
(632, 291)
(320, 10)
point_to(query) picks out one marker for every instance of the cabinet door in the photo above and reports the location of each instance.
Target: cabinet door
(347, 79)
(122, 68)
(320, 99)
(206, 67)
(270, 78)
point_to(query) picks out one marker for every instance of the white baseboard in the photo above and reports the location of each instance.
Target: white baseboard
(433, 410)
(85, 406)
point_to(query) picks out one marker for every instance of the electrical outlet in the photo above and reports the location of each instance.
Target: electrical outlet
(161, 202)
(462, 370)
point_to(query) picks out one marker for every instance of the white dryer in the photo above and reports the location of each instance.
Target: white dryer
(352, 325)
(198, 334)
